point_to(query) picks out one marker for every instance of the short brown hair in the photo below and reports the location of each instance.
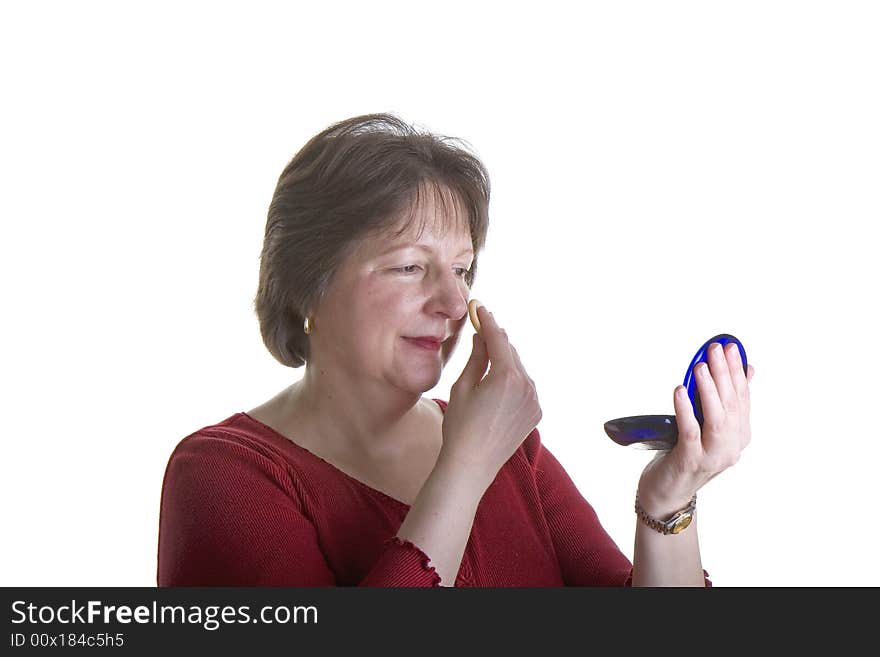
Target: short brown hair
(353, 179)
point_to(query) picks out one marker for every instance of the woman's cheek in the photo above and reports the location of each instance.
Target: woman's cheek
(449, 345)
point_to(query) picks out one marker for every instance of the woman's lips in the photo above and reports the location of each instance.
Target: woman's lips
(430, 345)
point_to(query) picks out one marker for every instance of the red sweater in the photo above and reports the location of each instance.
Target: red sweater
(244, 506)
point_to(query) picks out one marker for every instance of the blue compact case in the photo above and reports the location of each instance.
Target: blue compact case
(661, 431)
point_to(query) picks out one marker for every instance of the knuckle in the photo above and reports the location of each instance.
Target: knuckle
(511, 374)
(714, 425)
(508, 379)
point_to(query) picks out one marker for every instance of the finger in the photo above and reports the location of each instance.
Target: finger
(735, 364)
(739, 378)
(516, 359)
(688, 427)
(720, 369)
(713, 409)
(519, 364)
(495, 338)
(533, 391)
(476, 366)
(750, 374)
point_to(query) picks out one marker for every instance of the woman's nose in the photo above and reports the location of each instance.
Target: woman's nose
(449, 297)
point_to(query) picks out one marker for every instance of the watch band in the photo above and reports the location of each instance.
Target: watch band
(675, 524)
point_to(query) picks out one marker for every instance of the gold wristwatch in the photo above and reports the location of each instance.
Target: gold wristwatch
(675, 524)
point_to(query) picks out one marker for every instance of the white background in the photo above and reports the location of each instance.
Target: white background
(662, 172)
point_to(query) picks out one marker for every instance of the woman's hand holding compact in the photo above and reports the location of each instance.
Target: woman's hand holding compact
(672, 478)
(488, 417)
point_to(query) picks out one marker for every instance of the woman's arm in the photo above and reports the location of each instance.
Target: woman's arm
(231, 515)
(586, 553)
(440, 520)
(666, 559)
(671, 479)
(486, 420)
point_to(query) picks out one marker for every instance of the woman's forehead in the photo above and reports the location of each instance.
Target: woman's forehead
(433, 207)
(443, 230)
(456, 244)
(432, 218)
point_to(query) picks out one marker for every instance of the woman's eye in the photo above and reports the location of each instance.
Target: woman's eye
(461, 272)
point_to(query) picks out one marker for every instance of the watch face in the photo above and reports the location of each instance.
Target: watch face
(682, 523)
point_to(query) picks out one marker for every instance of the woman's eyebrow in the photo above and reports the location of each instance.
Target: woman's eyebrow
(423, 247)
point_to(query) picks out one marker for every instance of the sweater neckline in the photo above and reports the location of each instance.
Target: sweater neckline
(312, 455)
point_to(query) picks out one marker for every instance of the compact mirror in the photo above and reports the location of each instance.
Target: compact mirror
(661, 431)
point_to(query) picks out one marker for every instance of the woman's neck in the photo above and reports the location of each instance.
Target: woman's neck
(367, 422)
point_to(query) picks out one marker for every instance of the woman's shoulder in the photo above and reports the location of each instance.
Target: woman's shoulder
(237, 439)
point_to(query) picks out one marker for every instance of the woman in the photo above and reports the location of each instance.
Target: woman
(351, 477)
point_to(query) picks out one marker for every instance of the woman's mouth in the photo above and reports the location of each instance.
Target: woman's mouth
(430, 344)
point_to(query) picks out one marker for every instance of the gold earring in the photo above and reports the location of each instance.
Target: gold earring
(307, 325)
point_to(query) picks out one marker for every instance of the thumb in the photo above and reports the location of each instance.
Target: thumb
(475, 368)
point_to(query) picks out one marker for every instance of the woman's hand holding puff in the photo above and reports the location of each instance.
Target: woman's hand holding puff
(487, 418)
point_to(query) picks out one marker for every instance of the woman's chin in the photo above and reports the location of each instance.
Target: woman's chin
(425, 384)
(418, 381)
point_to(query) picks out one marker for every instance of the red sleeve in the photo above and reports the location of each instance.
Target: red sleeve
(587, 554)
(232, 515)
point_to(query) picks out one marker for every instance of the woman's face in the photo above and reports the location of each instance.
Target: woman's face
(389, 292)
